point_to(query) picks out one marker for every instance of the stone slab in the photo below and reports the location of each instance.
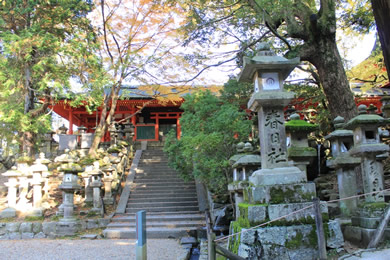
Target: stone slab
(3, 229)
(49, 228)
(13, 227)
(15, 235)
(277, 176)
(8, 213)
(40, 235)
(89, 236)
(336, 238)
(27, 235)
(358, 236)
(67, 142)
(257, 214)
(68, 228)
(36, 227)
(279, 210)
(366, 222)
(25, 227)
(287, 193)
(188, 240)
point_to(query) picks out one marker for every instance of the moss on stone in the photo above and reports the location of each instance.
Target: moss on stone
(374, 205)
(300, 126)
(301, 151)
(295, 242)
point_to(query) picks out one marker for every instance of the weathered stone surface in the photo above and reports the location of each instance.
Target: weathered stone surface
(359, 236)
(244, 250)
(8, 213)
(103, 222)
(276, 176)
(184, 254)
(3, 229)
(89, 236)
(336, 238)
(12, 227)
(36, 227)
(49, 228)
(188, 240)
(14, 235)
(25, 227)
(27, 235)
(272, 235)
(279, 210)
(248, 236)
(4, 237)
(40, 235)
(257, 214)
(366, 222)
(68, 228)
(276, 194)
(92, 223)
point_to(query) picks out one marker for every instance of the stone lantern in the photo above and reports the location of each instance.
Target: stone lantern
(367, 145)
(298, 146)
(37, 170)
(244, 164)
(12, 184)
(96, 184)
(45, 174)
(386, 106)
(69, 185)
(108, 178)
(86, 175)
(62, 130)
(278, 188)
(341, 141)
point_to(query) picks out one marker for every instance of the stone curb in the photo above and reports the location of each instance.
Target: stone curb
(121, 208)
(30, 230)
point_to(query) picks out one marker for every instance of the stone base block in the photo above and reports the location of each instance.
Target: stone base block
(276, 176)
(365, 222)
(38, 212)
(279, 210)
(288, 193)
(68, 228)
(8, 213)
(108, 201)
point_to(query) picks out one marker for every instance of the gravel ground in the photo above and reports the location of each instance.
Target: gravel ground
(42, 249)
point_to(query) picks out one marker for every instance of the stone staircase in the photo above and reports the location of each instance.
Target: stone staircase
(171, 204)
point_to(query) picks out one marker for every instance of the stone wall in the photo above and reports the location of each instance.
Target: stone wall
(29, 230)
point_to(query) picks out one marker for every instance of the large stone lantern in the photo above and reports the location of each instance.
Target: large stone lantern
(267, 72)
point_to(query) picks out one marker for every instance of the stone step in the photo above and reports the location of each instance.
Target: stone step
(151, 224)
(164, 188)
(176, 216)
(147, 205)
(155, 232)
(163, 209)
(162, 214)
(158, 160)
(157, 183)
(176, 198)
(154, 194)
(165, 179)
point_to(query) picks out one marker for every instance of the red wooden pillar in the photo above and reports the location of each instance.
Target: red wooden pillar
(70, 131)
(134, 121)
(178, 128)
(156, 128)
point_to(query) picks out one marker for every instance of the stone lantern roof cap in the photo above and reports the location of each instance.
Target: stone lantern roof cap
(300, 126)
(13, 172)
(266, 61)
(339, 132)
(364, 119)
(249, 159)
(38, 167)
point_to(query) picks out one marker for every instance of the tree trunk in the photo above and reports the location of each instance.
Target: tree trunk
(28, 137)
(381, 9)
(326, 58)
(105, 120)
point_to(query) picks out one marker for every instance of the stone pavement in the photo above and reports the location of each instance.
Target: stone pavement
(369, 255)
(37, 249)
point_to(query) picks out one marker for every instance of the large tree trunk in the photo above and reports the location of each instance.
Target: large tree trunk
(325, 56)
(381, 9)
(105, 120)
(28, 139)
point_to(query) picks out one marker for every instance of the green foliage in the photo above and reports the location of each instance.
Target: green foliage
(209, 127)
(43, 45)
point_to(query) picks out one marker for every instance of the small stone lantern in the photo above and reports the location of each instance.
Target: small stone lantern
(37, 170)
(108, 178)
(96, 183)
(86, 175)
(341, 141)
(298, 149)
(367, 145)
(386, 106)
(12, 184)
(69, 185)
(244, 164)
(62, 130)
